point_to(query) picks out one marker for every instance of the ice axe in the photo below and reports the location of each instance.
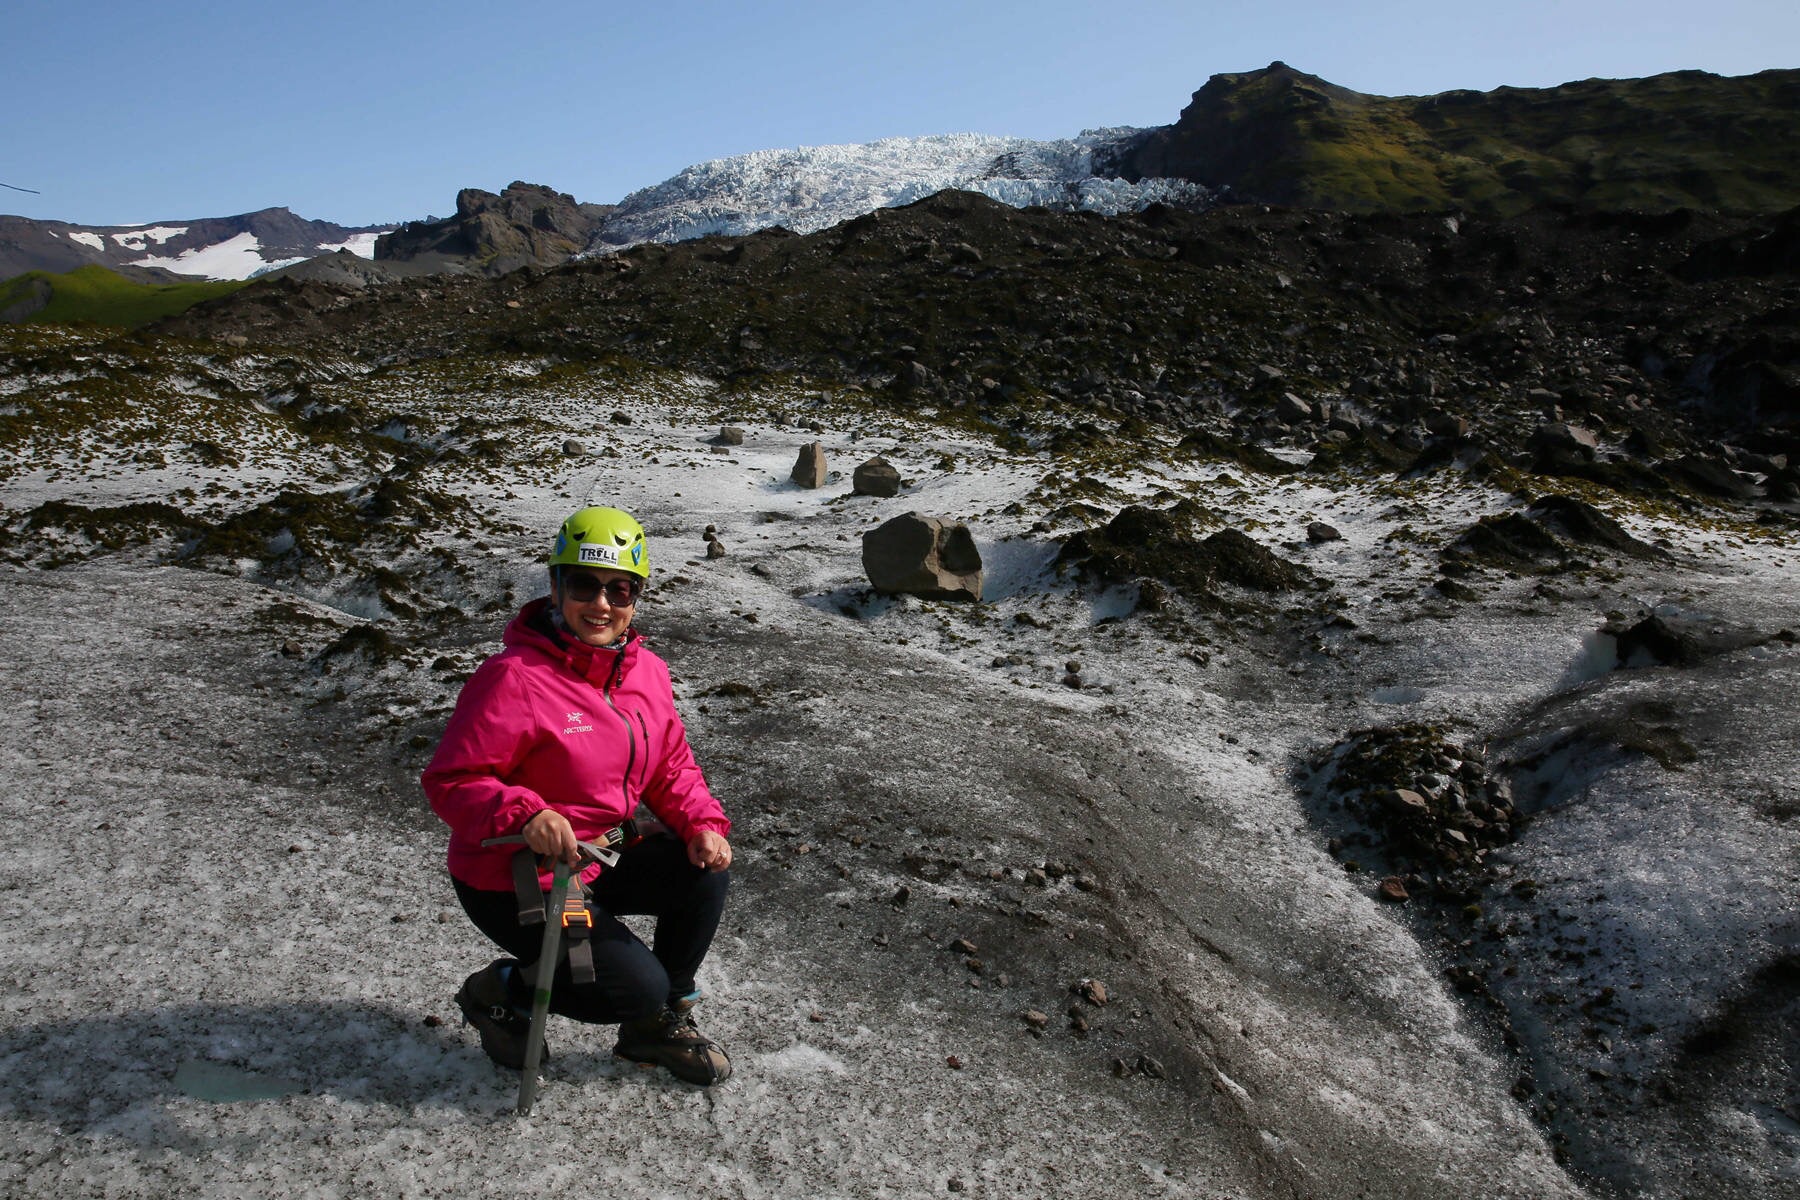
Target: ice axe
(557, 915)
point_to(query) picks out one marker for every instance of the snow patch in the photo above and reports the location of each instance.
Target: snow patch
(238, 257)
(360, 244)
(139, 239)
(87, 239)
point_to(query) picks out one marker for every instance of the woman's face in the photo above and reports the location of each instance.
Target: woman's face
(601, 619)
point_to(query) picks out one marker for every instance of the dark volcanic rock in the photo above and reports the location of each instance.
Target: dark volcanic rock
(1581, 522)
(1512, 541)
(1128, 318)
(525, 225)
(1282, 136)
(1417, 801)
(809, 466)
(923, 556)
(1655, 640)
(1144, 543)
(1708, 476)
(876, 477)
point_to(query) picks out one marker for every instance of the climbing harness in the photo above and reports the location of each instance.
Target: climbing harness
(571, 904)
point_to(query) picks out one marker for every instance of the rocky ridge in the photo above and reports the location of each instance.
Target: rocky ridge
(1687, 139)
(1540, 343)
(171, 251)
(527, 224)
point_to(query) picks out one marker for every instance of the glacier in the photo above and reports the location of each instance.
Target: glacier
(814, 187)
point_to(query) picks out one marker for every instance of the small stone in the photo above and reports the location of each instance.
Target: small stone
(1393, 888)
(715, 549)
(1121, 1068)
(1293, 409)
(432, 1020)
(296, 849)
(729, 435)
(1407, 799)
(901, 896)
(1151, 1067)
(954, 1062)
(1036, 1019)
(620, 418)
(573, 448)
(1091, 990)
(963, 946)
(291, 649)
(816, 1017)
(954, 1185)
(1319, 531)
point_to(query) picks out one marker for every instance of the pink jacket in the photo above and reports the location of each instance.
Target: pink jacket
(546, 725)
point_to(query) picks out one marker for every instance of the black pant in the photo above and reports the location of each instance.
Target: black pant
(652, 878)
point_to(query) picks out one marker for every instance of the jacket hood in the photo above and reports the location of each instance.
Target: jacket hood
(531, 629)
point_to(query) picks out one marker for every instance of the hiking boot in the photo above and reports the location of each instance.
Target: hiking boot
(486, 1005)
(671, 1039)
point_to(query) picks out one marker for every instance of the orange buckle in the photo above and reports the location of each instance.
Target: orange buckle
(576, 914)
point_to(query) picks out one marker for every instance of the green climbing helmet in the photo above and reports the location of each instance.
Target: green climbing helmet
(602, 537)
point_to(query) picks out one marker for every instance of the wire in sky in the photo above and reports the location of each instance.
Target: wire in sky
(33, 191)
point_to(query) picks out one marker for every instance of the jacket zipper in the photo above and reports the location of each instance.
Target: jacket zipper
(606, 688)
(644, 727)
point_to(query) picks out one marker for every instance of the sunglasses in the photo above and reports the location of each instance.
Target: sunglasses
(583, 589)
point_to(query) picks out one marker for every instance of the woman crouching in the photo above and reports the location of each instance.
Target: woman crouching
(557, 738)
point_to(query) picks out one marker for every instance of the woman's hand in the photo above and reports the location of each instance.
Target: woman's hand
(709, 851)
(549, 834)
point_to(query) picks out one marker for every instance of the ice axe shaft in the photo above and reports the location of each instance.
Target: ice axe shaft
(543, 973)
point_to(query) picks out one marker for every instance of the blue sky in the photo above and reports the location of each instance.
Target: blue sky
(379, 111)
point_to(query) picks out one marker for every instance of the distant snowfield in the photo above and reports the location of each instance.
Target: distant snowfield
(235, 258)
(361, 244)
(238, 257)
(233, 947)
(241, 257)
(814, 187)
(136, 239)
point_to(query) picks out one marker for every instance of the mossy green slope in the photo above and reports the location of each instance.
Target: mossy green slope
(1687, 139)
(101, 297)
